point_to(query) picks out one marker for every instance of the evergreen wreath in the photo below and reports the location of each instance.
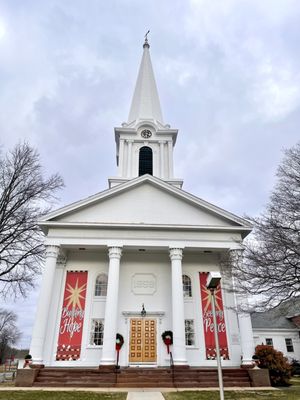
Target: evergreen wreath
(167, 336)
(119, 340)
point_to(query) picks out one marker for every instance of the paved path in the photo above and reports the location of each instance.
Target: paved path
(145, 396)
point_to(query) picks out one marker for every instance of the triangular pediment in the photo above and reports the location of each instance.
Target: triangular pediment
(149, 201)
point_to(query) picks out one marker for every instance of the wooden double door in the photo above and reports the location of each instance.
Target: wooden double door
(142, 347)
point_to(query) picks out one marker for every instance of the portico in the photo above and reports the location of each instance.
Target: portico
(144, 274)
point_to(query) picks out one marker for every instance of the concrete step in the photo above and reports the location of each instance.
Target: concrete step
(139, 377)
(72, 384)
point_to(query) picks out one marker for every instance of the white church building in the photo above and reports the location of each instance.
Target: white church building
(133, 260)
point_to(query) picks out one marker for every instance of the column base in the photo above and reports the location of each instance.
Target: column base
(107, 368)
(37, 361)
(247, 364)
(180, 363)
(108, 362)
(37, 366)
(181, 366)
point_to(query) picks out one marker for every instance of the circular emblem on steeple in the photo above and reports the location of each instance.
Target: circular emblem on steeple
(146, 133)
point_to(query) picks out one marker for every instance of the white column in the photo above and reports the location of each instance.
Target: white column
(162, 159)
(244, 319)
(111, 307)
(41, 319)
(170, 158)
(247, 340)
(121, 158)
(54, 318)
(129, 158)
(179, 349)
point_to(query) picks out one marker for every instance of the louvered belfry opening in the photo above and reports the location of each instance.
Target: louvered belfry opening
(145, 161)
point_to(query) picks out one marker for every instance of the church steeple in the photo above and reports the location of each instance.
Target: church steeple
(145, 102)
(144, 143)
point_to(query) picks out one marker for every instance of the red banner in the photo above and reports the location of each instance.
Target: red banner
(72, 317)
(208, 323)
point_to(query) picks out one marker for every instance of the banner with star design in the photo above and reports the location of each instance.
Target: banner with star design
(208, 323)
(72, 317)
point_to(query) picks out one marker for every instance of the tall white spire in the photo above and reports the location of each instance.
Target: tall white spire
(145, 103)
(145, 144)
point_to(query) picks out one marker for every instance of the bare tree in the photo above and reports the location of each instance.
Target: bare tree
(271, 262)
(9, 333)
(24, 196)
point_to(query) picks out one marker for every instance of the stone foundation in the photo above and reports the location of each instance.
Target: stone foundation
(26, 377)
(259, 377)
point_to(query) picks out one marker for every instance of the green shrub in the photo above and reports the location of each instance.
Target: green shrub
(295, 364)
(278, 365)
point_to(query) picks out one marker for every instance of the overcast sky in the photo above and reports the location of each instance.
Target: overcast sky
(227, 71)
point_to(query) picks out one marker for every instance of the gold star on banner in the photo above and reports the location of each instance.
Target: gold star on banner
(75, 296)
(208, 298)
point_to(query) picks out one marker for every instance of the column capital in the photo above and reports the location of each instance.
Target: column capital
(52, 251)
(239, 251)
(62, 259)
(114, 252)
(236, 256)
(176, 253)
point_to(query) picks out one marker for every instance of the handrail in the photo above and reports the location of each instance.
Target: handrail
(172, 367)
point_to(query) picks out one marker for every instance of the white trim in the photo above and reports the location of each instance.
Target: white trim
(188, 299)
(148, 314)
(157, 182)
(143, 226)
(91, 332)
(195, 345)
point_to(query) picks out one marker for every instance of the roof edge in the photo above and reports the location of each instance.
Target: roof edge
(158, 182)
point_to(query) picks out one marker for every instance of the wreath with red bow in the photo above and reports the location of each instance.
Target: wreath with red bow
(167, 337)
(119, 341)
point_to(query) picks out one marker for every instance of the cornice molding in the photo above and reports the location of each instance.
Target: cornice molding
(145, 226)
(158, 183)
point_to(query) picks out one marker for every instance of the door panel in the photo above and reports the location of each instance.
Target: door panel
(142, 340)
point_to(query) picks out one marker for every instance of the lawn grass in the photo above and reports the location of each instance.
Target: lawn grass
(71, 395)
(235, 395)
(295, 381)
(288, 393)
(7, 383)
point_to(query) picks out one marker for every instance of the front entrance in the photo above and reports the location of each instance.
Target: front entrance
(142, 340)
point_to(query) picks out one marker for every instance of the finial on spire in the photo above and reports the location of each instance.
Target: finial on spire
(146, 44)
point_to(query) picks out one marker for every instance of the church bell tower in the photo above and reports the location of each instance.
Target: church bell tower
(144, 144)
